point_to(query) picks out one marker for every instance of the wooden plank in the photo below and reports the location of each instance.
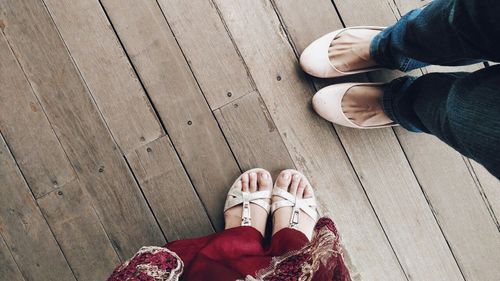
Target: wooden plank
(79, 232)
(170, 193)
(404, 6)
(26, 128)
(252, 135)
(377, 12)
(457, 205)
(490, 187)
(175, 94)
(91, 259)
(9, 271)
(214, 60)
(76, 121)
(107, 72)
(305, 33)
(384, 172)
(312, 143)
(465, 68)
(24, 229)
(403, 211)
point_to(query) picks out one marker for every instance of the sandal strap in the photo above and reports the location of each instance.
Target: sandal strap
(240, 197)
(284, 194)
(307, 205)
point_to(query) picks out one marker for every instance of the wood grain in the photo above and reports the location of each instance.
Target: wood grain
(490, 187)
(108, 74)
(79, 232)
(26, 128)
(252, 135)
(374, 13)
(79, 126)
(312, 143)
(404, 6)
(457, 205)
(106, 70)
(170, 193)
(175, 94)
(24, 229)
(94, 257)
(9, 270)
(385, 174)
(209, 50)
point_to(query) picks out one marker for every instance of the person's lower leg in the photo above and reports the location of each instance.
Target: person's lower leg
(461, 109)
(446, 32)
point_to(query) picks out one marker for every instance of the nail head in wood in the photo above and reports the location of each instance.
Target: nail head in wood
(229, 94)
(190, 122)
(278, 78)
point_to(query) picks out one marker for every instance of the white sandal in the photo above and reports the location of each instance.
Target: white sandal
(315, 60)
(307, 205)
(258, 198)
(327, 102)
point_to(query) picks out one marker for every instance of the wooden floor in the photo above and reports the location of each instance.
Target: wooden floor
(124, 122)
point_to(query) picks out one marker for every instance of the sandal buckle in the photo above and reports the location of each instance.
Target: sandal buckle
(294, 220)
(246, 219)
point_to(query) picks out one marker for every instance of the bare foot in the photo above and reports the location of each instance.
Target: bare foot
(296, 184)
(251, 182)
(350, 50)
(363, 106)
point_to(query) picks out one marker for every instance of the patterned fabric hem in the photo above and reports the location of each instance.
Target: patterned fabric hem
(323, 251)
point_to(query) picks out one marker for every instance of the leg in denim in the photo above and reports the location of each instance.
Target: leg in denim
(461, 109)
(445, 32)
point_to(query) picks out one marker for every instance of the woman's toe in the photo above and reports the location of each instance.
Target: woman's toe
(295, 184)
(245, 181)
(301, 188)
(253, 182)
(308, 191)
(264, 181)
(284, 180)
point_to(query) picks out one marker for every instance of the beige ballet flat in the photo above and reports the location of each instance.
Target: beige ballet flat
(327, 102)
(314, 59)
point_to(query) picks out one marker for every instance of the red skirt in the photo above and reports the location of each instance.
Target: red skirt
(241, 254)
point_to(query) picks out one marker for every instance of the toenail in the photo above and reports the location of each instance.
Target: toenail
(296, 177)
(265, 176)
(286, 176)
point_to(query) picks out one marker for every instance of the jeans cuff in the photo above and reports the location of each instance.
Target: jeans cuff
(392, 57)
(376, 52)
(392, 93)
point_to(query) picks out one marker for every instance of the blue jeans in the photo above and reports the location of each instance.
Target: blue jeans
(462, 109)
